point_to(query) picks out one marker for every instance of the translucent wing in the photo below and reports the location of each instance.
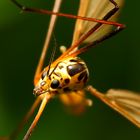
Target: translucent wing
(125, 102)
(95, 9)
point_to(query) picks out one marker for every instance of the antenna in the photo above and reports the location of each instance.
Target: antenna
(52, 56)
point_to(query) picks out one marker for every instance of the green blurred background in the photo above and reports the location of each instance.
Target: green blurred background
(115, 64)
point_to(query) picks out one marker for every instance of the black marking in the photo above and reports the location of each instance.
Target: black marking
(82, 75)
(57, 74)
(55, 84)
(85, 78)
(61, 67)
(75, 68)
(66, 89)
(75, 60)
(67, 80)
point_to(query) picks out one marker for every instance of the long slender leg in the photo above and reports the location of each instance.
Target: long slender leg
(45, 100)
(26, 118)
(127, 104)
(23, 122)
(92, 30)
(42, 11)
(39, 68)
(106, 36)
(47, 41)
(96, 42)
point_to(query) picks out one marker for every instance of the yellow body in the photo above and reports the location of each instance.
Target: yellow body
(64, 77)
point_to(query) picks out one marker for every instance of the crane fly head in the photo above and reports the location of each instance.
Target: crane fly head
(66, 76)
(44, 84)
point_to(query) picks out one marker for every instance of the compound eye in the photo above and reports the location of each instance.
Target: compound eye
(55, 84)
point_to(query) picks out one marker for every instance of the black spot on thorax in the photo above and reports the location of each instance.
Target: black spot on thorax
(67, 80)
(75, 68)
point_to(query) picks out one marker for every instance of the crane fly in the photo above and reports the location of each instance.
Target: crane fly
(67, 76)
